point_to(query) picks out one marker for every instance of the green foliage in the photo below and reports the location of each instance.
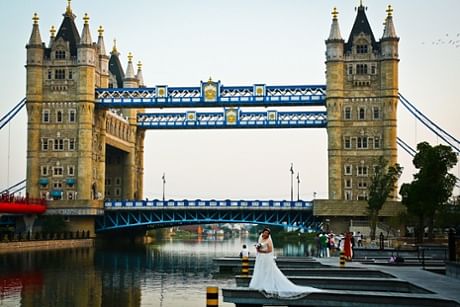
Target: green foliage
(432, 186)
(53, 223)
(382, 184)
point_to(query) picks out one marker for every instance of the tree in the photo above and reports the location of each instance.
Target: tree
(432, 186)
(382, 184)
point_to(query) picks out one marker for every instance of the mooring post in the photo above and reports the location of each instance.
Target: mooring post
(212, 297)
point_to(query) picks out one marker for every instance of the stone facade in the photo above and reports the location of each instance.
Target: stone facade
(78, 154)
(362, 97)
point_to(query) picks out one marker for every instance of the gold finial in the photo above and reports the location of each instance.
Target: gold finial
(53, 31)
(68, 9)
(210, 79)
(114, 48)
(130, 57)
(101, 31)
(86, 18)
(389, 11)
(334, 13)
(139, 65)
(35, 19)
(360, 2)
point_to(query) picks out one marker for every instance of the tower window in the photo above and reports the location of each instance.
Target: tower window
(348, 183)
(376, 142)
(348, 195)
(72, 116)
(362, 49)
(44, 142)
(70, 74)
(60, 55)
(362, 142)
(350, 69)
(347, 113)
(362, 170)
(50, 74)
(362, 184)
(59, 74)
(362, 113)
(57, 171)
(71, 170)
(362, 196)
(44, 171)
(72, 144)
(361, 69)
(373, 69)
(46, 116)
(348, 170)
(376, 112)
(59, 116)
(347, 142)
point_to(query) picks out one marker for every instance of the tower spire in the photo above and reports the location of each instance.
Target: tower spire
(139, 75)
(334, 34)
(86, 35)
(389, 30)
(130, 68)
(35, 38)
(100, 41)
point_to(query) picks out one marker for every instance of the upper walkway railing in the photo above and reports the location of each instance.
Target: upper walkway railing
(207, 204)
(212, 94)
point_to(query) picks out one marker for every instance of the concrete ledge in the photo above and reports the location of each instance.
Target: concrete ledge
(249, 297)
(347, 283)
(14, 247)
(453, 269)
(353, 208)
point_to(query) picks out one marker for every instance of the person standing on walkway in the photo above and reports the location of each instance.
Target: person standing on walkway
(347, 247)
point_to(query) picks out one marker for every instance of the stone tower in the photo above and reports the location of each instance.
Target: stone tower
(362, 98)
(77, 154)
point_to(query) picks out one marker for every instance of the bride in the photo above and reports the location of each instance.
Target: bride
(268, 278)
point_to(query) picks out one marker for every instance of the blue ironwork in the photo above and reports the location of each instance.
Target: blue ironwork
(216, 95)
(157, 213)
(436, 129)
(232, 119)
(12, 113)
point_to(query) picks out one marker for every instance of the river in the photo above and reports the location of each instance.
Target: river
(168, 273)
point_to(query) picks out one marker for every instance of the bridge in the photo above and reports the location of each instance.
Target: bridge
(86, 137)
(158, 213)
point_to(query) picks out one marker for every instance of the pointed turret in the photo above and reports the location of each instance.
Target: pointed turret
(389, 41)
(103, 59)
(100, 41)
(389, 31)
(52, 35)
(334, 43)
(139, 75)
(334, 34)
(361, 26)
(130, 80)
(35, 38)
(85, 34)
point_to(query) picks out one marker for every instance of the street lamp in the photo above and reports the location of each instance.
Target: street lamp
(292, 182)
(164, 184)
(298, 186)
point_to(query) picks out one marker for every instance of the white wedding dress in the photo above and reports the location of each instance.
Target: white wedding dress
(268, 279)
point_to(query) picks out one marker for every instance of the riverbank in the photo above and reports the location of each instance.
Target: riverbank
(22, 246)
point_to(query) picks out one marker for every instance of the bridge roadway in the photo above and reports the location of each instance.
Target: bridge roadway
(130, 214)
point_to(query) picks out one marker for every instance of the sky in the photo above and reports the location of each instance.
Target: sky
(241, 42)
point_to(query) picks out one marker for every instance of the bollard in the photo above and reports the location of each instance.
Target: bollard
(245, 266)
(451, 245)
(342, 259)
(212, 297)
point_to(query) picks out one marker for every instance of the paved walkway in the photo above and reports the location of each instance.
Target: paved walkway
(444, 286)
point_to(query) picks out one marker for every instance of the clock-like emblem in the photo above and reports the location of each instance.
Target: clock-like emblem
(231, 116)
(210, 92)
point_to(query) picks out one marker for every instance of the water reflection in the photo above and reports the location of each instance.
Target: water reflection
(167, 273)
